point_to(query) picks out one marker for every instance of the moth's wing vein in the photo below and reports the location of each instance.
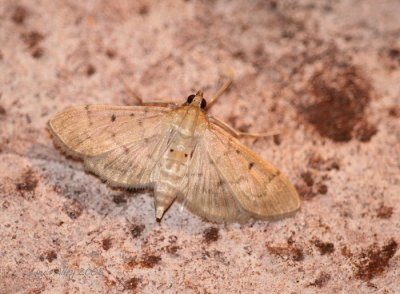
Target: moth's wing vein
(89, 130)
(131, 165)
(120, 148)
(204, 191)
(130, 169)
(258, 186)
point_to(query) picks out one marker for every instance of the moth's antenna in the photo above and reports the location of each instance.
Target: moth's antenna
(220, 92)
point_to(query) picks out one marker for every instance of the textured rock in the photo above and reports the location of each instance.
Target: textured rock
(326, 73)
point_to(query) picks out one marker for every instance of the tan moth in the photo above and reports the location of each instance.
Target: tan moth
(181, 152)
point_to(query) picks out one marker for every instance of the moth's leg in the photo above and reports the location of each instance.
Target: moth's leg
(237, 133)
(221, 91)
(135, 95)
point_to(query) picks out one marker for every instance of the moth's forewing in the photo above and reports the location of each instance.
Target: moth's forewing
(118, 143)
(94, 129)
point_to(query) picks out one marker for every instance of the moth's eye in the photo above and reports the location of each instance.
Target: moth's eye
(203, 103)
(190, 99)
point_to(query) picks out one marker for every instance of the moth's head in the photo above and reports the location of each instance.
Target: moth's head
(197, 100)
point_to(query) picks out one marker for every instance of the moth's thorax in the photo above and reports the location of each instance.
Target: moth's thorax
(188, 121)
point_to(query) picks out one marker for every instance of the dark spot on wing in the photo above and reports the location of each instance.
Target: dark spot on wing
(251, 164)
(88, 115)
(132, 114)
(113, 117)
(171, 150)
(146, 140)
(221, 183)
(186, 155)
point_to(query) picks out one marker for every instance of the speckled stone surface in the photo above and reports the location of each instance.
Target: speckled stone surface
(325, 73)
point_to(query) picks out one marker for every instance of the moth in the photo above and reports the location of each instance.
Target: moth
(179, 151)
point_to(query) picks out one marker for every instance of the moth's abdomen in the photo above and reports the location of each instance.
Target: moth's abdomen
(172, 171)
(164, 194)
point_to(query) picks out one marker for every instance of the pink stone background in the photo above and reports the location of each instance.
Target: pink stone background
(325, 73)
